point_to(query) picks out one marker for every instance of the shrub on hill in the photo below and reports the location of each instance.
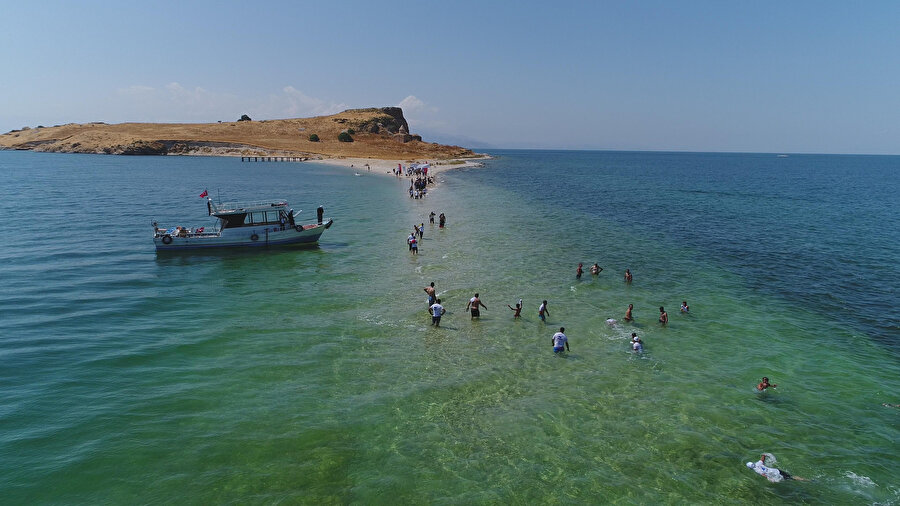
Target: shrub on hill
(345, 137)
(313, 138)
(351, 131)
(244, 117)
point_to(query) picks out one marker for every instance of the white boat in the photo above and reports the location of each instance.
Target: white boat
(256, 224)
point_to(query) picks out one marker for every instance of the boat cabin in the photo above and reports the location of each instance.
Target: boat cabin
(245, 215)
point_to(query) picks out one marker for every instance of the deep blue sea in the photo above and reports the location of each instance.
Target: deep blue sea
(313, 376)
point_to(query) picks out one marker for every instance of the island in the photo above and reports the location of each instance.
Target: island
(380, 133)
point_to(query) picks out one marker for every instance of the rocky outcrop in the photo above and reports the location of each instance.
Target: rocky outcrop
(388, 120)
(141, 148)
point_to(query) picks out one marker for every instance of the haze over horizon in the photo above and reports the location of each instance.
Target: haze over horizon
(798, 77)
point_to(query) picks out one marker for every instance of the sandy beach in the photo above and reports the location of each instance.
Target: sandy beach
(385, 167)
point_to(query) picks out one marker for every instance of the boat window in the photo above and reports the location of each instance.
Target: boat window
(232, 220)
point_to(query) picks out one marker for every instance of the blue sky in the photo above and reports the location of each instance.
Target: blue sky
(766, 76)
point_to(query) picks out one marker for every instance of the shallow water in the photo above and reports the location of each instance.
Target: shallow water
(313, 376)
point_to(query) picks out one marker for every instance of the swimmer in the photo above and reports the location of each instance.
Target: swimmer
(684, 307)
(579, 271)
(517, 309)
(560, 341)
(430, 291)
(770, 473)
(473, 308)
(628, 317)
(663, 316)
(764, 384)
(890, 405)
(596, 269)
(437, 310)
(627, 276)
(543, 312)
(636, 344)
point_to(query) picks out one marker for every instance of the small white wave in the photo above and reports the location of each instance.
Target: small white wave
(860, 480)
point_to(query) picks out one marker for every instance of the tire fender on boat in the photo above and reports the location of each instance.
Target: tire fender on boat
(167, 239)
(254, 237)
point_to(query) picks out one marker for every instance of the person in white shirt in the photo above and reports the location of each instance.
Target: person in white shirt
(636, 344)
(437, 310)
(770, 473)
(560, 341)
(543, 312)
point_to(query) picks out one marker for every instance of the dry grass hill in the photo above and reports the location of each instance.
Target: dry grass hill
(380, 133)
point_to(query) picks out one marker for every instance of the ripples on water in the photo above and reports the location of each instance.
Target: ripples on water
(313, 375)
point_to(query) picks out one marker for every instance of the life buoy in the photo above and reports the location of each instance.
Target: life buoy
(299, 228)
(167, 239)
(254, 237)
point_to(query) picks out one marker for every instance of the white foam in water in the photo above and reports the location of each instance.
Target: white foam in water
(860, 480)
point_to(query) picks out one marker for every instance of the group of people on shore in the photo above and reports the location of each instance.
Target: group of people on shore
(418, 188)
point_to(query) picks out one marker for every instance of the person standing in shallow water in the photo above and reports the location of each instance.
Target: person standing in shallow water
(684, 307)
(437, 310)
(473, 307)
(517, 309)
(596, 269)
(442, 220)
(431, 218)
(543, 312)
(579, 271)
(663, 316)
(628, 316)
(559, 341)
(430, 291)
(627, 275)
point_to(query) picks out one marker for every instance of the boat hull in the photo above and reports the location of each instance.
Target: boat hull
(243, 237)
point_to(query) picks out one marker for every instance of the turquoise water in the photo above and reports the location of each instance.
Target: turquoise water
(312, 376)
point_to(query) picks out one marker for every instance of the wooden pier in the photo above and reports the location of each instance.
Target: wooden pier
(274, 158)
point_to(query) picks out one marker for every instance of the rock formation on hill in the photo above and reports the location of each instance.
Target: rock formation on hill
(377, 133)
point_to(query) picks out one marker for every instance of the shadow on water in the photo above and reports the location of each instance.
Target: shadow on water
(199, 256)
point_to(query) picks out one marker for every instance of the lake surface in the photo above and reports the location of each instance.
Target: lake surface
(313, 375)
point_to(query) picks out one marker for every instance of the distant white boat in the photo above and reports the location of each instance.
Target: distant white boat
(269, 223)
(782, 156)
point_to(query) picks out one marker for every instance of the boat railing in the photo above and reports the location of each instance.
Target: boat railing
(187, 232)
(238, 206)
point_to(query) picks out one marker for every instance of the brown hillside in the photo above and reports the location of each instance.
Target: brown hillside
(378, 133)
